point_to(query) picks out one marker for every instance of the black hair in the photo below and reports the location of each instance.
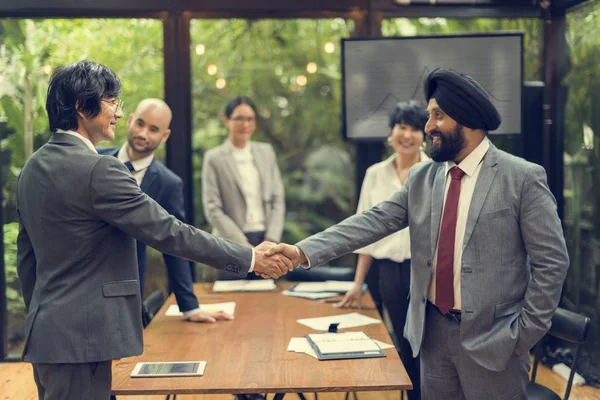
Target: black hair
(411, 113)
(234, 103)
(79, 87)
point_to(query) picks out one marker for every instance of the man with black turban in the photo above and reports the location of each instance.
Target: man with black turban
(488, 253)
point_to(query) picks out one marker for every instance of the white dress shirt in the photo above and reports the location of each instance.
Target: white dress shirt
(85, 140)
(471, 166)
(380, 183)
(250, 179)
(140, 166)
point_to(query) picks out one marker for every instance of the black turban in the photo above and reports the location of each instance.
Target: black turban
(462, 98)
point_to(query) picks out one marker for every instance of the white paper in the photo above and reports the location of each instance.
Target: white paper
(327, 286)
(351, 320)
(310, 295)
(382, 345)
(301, 345)
(261, 285)
(227, 308)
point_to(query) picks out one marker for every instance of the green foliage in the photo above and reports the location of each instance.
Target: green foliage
(266, 60)
(15, 305)
(31, 49)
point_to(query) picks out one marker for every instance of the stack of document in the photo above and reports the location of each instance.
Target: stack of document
(310, 295)
(336, 346)
(262, 285)
(327, 286)
(301, 345)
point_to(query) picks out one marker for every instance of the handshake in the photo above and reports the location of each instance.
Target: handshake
(272, 260)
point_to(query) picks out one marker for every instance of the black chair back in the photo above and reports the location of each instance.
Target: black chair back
(321, 274)
(151, 305)
(568, 326)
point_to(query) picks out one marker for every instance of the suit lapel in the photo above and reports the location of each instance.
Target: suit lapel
(437, 203)
(149, 177)
(232, 167)
(482, 188)
(260, 167)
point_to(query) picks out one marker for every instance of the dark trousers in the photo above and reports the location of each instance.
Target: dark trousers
(254, 238)
(394, 286)
(372, 281)
(73, 381)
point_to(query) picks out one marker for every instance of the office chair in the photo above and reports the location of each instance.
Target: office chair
(568, 326)
(151, 305)
(321, 274)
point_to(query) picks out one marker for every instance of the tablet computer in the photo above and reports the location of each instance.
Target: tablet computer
(171, 368)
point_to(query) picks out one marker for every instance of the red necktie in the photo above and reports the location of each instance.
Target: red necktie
(444, 276)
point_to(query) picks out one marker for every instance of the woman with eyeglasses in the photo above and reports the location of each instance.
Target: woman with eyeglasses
(385, 265)
(242, 191)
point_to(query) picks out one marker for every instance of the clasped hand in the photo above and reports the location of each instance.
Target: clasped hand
(273, 260)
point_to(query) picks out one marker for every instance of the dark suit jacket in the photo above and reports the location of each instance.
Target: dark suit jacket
(166, 188)
(79, 213)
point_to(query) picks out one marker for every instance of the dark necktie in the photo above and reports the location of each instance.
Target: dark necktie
(129, 166)
(444, 276)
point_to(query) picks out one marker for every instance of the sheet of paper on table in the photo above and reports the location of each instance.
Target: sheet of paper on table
(311, 295)
(227, 308)
(327, 286)
(242, 285)
(351, 320)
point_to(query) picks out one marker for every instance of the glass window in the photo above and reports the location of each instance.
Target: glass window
(582, 177)
(533, 47)
(30, 50)
(291, 70)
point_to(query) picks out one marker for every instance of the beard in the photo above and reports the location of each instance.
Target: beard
(450, 144)
(146, 149)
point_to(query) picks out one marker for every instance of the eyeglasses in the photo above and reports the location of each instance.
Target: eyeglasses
(241, 120)
(117, 104)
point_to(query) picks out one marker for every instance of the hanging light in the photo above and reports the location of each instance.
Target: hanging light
(211, 69)
(301, 80)
(311, 67)
(329, 47)
(221, 83)
(200, 49)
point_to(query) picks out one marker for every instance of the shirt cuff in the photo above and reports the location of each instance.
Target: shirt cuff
(252, 262)
(189, 313)
(305, 265)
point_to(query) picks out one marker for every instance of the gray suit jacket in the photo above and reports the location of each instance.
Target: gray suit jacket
(223, 198)
(79, 213)
(514, 257)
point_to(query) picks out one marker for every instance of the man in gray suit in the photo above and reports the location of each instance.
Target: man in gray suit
(79, 213)
(488, 253)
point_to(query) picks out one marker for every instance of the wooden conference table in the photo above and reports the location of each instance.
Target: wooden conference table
(249, 354)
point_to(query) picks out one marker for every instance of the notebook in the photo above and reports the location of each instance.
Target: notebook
(345, 345)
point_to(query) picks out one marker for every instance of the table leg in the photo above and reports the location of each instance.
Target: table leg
(279, 396)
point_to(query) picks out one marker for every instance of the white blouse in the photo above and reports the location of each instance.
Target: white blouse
(380, 183)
